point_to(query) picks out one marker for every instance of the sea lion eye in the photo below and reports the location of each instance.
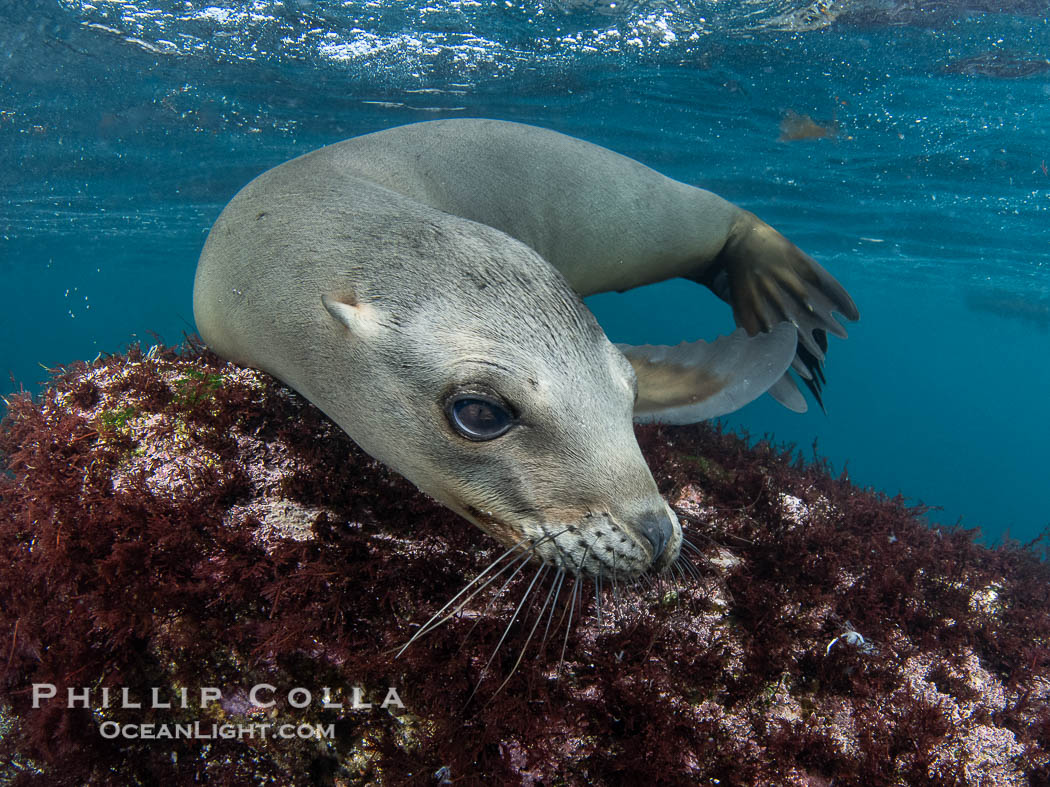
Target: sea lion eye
(478, 417)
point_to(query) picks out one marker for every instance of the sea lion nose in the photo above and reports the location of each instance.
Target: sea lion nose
(657, 529)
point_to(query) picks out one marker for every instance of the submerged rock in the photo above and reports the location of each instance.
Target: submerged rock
(169, 522)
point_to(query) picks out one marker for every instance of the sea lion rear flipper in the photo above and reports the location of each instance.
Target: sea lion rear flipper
(767, 279)
(786, 391)
(699, 380)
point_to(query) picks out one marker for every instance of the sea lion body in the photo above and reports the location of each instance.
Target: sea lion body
(605, 221)
(404, 280)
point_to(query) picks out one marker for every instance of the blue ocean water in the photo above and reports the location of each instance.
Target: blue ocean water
(126, 125)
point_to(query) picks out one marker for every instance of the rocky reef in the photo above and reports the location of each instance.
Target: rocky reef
(170, 523)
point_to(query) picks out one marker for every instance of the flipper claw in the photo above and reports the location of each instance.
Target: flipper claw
(766, 279)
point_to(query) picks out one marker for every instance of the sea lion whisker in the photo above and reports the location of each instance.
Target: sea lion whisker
(434, 622)
(528, 639)
(568, 626)
(583, 561)
(598, 596)
(528, 591)
(491, 601)
(653, 582)
(668, 583)
(624, 599)
(620, 595)
(586, 552)
(646, 584)
(525, 560)
(567, 607)
(675, 572)
(695, 567)
(689, 572)
(427, 627)
(559, 578)
(674, 581)
(499, 592)
(553, 538)
(690, 546)
(693, 572)
(684, 562)
(630, 584)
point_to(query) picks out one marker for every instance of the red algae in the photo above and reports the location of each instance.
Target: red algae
(169, 521)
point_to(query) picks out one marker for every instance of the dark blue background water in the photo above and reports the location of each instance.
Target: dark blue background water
(126, 126)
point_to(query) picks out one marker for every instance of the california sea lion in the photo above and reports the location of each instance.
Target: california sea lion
(422, 285)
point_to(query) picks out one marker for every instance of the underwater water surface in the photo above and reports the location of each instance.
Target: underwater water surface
(905, 149)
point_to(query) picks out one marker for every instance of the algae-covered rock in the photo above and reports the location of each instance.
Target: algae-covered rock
(172, 525)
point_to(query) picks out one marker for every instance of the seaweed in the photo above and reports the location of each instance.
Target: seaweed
(169, 520)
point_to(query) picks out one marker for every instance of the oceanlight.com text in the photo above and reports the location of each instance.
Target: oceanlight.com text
(198, 731)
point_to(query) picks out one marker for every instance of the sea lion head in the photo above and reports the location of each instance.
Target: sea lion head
(474, 370)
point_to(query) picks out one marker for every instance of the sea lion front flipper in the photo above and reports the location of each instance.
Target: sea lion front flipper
(699, 380)
(767, 279)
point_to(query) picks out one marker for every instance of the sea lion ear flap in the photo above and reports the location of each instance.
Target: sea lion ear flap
(699, 380)
(358, 318)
